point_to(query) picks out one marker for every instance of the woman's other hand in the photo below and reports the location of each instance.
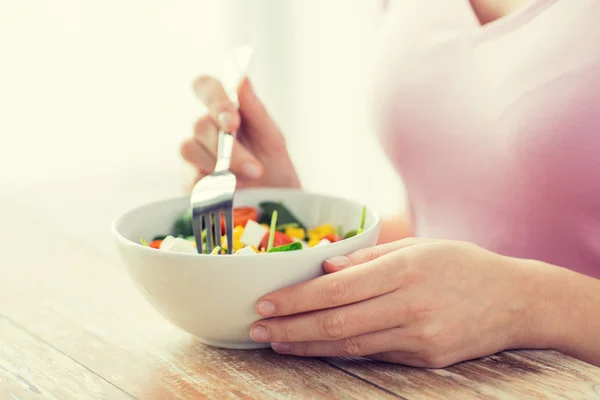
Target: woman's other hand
(260, 156)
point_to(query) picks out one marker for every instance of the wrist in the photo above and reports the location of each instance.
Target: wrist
(542, 317)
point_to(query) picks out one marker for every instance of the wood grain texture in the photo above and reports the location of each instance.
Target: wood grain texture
(508, 375)
(67, 296)
(30, 368)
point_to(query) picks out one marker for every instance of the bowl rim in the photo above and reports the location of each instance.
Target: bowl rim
(122, 239)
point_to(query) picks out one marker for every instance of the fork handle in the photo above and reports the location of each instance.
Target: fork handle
(224, 150)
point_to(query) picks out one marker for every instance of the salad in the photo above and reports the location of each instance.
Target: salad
(269, 228)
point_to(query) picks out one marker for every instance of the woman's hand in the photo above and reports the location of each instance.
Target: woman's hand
(259, 158)
(419, 302)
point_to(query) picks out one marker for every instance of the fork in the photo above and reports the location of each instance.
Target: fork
(212, 196)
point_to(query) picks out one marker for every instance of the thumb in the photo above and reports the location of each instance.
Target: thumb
(257, 122)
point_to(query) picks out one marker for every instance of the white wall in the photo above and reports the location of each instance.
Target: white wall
(90, 88)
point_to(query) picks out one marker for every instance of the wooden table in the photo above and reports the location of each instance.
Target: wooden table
(72, 326)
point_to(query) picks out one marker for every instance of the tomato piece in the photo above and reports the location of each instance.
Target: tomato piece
(279, 240)
(155, 244)
(332, 237)
(241, 216)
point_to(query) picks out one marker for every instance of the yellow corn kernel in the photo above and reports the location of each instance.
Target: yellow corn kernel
(321, 231)
(267, 227)
(237, 245)
(224, 242)
(237, 232)
(313, 241)
(295, 233)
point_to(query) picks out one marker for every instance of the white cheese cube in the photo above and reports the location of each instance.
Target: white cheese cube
(253, 234)
(323, 242)
(179, 245)
(245, 250)
(167, 242)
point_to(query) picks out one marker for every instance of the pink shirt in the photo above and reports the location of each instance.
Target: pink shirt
(495, 130)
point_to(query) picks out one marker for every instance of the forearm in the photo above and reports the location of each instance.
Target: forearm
(567, 313)
(394, 228)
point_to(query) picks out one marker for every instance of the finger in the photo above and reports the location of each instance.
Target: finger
(374, 278)
(260, 126)
(353, 346)
(197, 155)
(220, 108)
(371, 315)
(206, 132)
(243, 163)
(371, 253)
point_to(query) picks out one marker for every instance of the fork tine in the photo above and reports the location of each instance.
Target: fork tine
(229, 229)
(205, 230)
(218, 229)
(209, 232)
(197, 227)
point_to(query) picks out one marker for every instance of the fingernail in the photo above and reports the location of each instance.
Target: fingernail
(259, 334)
(338, 262)
(266, 308)
(281, 347)
(225, 119)
(251, 171)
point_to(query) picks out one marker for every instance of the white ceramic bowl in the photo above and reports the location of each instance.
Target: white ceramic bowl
(213, 297)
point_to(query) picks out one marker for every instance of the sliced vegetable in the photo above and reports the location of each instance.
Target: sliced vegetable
(321, 231)
(332, 237)
(287, 247)
(155, 244)
(272, 231)
(295, 233)
(145, 243)
(353, 232)
(279, 239)
(241, 216)
(361, 227)
(283, 227)
(284, 216)
(216, 250)
(362, 220)
(159, 237)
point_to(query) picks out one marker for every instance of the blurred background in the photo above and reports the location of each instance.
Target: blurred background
(100, 91)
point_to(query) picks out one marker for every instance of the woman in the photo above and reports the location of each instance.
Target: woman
(490, 111)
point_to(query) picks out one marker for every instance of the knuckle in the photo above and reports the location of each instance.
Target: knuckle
(205, 81)
(202, 125)
(279, 333)
(221, 104)
(334, 292)
(350, 347)
(367, 254)
(431, 337)
(334, 325)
